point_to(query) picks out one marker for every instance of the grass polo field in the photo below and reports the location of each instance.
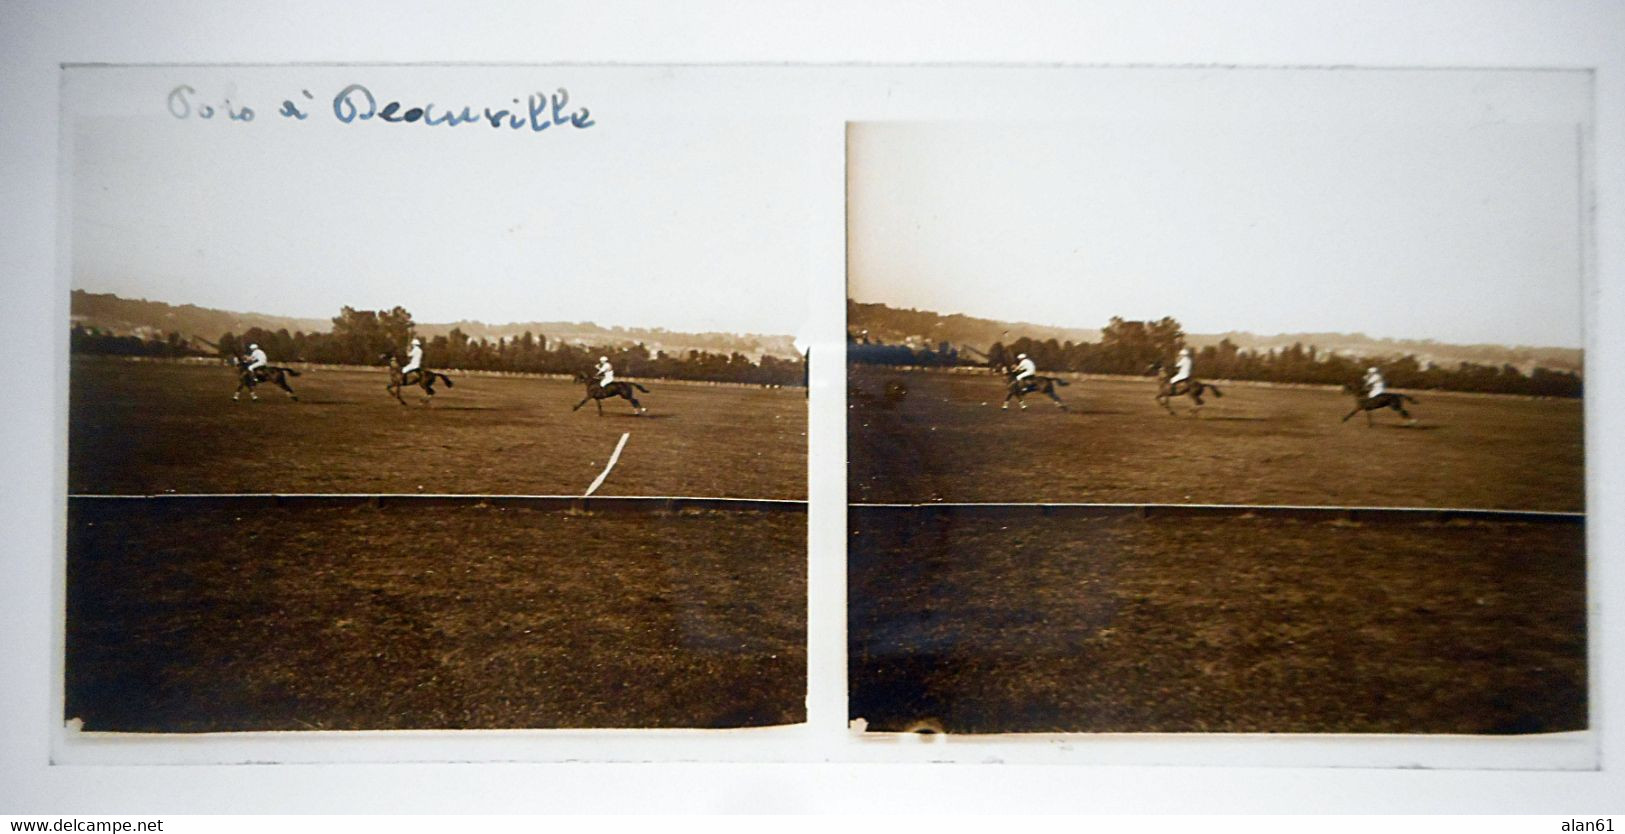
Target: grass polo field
(154, 427)
(213, 620)
(1019, 621)
(225, 615)
(1215, 625)
(947, 440)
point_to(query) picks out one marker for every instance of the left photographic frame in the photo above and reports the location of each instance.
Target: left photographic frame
(430, 398)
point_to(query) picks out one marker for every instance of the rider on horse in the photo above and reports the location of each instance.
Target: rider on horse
(414, 358)
(1025, 369)
(1375, 385)
(1182, 369)
(605, 372)
(256, 360)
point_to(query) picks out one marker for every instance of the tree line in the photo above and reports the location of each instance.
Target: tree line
(363, 337)
(1132, 347)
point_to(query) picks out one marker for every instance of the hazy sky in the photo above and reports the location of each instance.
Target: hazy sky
(688, 224)
(1456, 232)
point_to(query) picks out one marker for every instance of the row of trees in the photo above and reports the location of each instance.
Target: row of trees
(362, 337)
(89, 340)
(1131, 347)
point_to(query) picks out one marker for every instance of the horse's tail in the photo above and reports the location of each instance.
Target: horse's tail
(639, 387)
(289, 371)
(444, 378)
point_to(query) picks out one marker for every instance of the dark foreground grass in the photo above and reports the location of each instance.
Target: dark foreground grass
(154, 427)
(451, 618)
(947, 440)
(1224, 625)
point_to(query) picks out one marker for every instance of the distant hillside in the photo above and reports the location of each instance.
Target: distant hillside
(655, 339)
(139, 317)
(895, 326)
(925, 327)
(1425, 350)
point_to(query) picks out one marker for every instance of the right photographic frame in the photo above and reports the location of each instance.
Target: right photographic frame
(1184, 419)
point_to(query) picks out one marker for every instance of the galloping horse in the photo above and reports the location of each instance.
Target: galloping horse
(1387, 399)
(247, 379)
(1031, 385)
(598, 393)
(1186, 387)
(421, 377)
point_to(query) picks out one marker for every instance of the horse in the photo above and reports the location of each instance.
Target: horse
(1019, 389)
(421, 377)
(598, 393)
(247, 379)
(1387, 399)
(1186, 387)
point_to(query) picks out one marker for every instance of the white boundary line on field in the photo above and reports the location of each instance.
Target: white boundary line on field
(615, 456)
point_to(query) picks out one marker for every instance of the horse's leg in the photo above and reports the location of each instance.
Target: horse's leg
(1351, 414)
(636, 408)
(600, 403)
(583, 402)
(1368, 421)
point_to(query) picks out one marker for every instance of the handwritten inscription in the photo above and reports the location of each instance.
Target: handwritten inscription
(357, 103)
(185, 104)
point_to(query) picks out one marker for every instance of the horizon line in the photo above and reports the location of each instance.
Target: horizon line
(426, 323)
(1239, 331)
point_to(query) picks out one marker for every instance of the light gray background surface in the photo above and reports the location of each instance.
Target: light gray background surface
(37, 37)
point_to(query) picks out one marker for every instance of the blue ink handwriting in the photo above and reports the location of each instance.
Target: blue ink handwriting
(357, 103)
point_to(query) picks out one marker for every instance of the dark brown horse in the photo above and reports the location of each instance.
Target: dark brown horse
(1387, 399)
(421, 377)
(247, 379)
(1167, 390)
(1019, 389)
(598, 393)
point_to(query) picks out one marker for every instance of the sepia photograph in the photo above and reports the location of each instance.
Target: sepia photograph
(430, 398)
(1266, 424)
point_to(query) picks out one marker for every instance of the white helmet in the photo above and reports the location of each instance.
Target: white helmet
(254, 347)
(417, 341)
(1021, 356)
(1371, 370)
(1185, 351)
(603, 358)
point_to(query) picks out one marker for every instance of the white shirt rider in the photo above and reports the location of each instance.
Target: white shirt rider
(606, 372)
(256, 358)
(414, 357)
(1025, 367)
(1374, 383)
(1182, 368)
